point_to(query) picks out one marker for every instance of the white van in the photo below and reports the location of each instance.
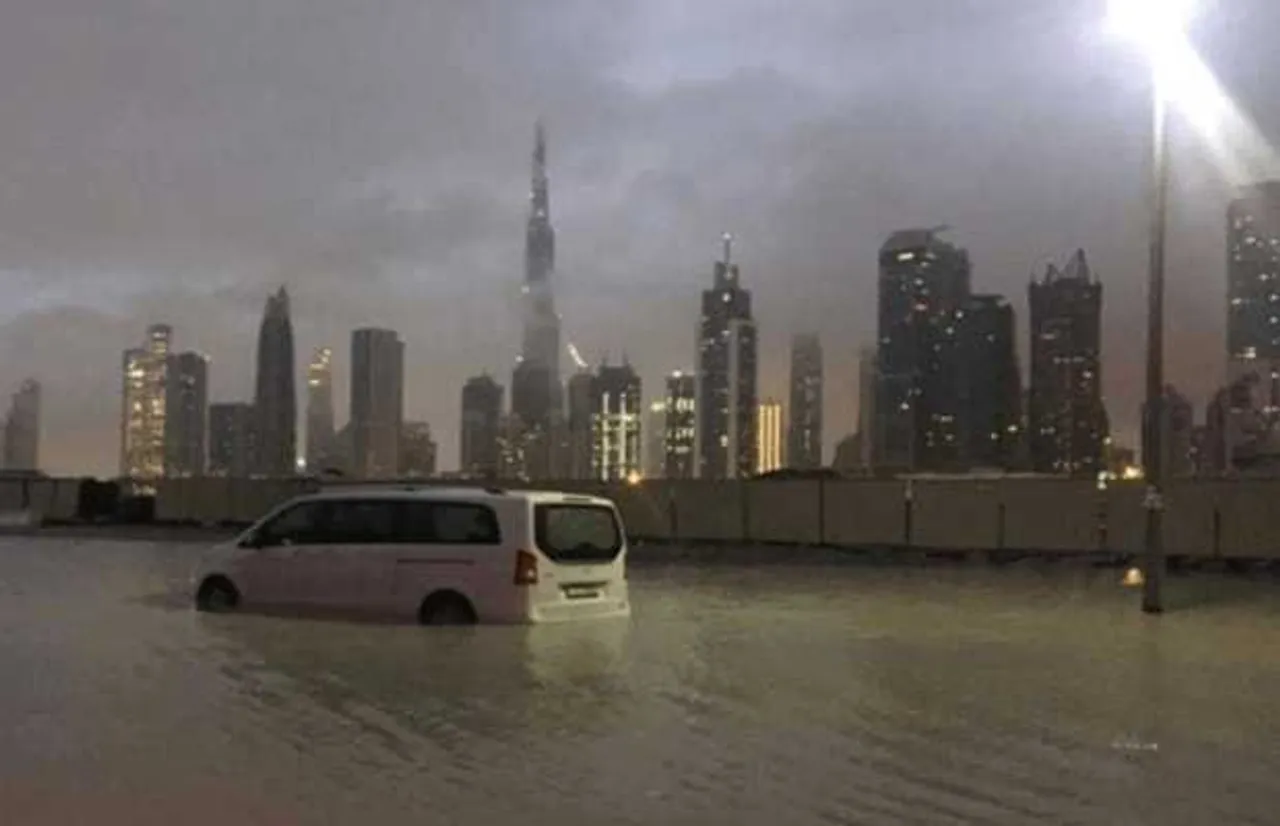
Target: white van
(436, 555)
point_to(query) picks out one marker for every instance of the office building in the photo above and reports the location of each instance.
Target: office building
(21, 448)
(804, 427)
(655, 435)
(377, 402)
(320, 426)
(536, 392)
(1066, 421)
(275, 400)
(1253, 274)
(231, 439)
(616, 432)
(482, 422)
(991, 384)
(186, 415)
(581, 426)
(1178, 451)
(727, 376)
(680, 430)
(417, 451)
(924, 282)
(143, 397)
(769, 437)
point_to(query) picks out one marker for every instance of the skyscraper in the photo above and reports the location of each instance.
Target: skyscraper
(536, 392)
(655, 434)
(22, 429)
(481, 427)
(680, 432)
(581, 425)
(616, 432)
(1253, 274)
(1178, 422)
(991, 384)
(417, 451)
(320, 428)
(804, 430)
(924, 282)
(727, 370)
(142, 421)
(186, 415)
(275, 400)
(769, 437)
(231, 439)
(1066, 422)
(377, 402)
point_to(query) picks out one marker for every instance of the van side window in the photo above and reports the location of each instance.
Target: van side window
(361, 522)
(449, 523)
(302, 524)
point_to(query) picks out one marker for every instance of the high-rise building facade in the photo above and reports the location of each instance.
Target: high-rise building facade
(804, 428)
(616, 433)
(655, 431)
(231, 439)
(1253, 274)
(275, 400)
(377, 402)
(482, 423)
(142, 421)
(680, 430)
(769, 437)
(417, 453)
(21, 448)
(1178, 453)
(991, 384)
(727, 376)
(1066, 422)
(537, 395)
(320, 427)
(924, 282)
(186, 415)
(580, 424)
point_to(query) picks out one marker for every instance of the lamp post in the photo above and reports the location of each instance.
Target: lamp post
(1158, 26)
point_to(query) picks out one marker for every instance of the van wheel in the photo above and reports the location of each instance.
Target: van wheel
(217, 595)
(446, 608)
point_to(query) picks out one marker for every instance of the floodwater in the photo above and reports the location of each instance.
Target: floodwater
(776, 694)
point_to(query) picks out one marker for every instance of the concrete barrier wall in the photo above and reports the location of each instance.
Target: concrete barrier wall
(1051, 515)
(955, 515)
(713, 513)
(1189, 515)
(784, 512)
(646, 510)
(11, 495)
(869, 514)
(1250, 520)
(1202, 519)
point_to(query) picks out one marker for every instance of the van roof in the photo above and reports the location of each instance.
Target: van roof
(442, 493)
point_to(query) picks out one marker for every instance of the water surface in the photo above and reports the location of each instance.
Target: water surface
(780, 694)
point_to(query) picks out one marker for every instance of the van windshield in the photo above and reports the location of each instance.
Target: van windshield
(577, 533)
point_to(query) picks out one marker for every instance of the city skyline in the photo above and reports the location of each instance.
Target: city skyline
(406, 219)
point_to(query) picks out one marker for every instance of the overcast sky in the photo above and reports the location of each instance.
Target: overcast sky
(175, 160)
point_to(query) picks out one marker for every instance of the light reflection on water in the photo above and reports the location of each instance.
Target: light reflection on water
(780, 694)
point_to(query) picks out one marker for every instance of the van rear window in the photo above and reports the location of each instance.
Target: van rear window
(577, 533)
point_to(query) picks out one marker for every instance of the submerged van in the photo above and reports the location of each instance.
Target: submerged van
(434, 555)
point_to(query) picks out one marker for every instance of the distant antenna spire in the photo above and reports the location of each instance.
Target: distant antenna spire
(727, 238)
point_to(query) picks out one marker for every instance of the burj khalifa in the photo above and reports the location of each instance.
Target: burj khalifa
(536, 392)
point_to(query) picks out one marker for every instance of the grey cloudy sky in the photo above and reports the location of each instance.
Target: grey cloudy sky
(174, 160)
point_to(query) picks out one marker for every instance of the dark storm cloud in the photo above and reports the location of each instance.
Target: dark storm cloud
(176, 160)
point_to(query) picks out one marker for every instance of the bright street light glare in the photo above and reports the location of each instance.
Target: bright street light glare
(1153, 23)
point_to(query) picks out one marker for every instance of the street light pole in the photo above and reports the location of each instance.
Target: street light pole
(1153, 453)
